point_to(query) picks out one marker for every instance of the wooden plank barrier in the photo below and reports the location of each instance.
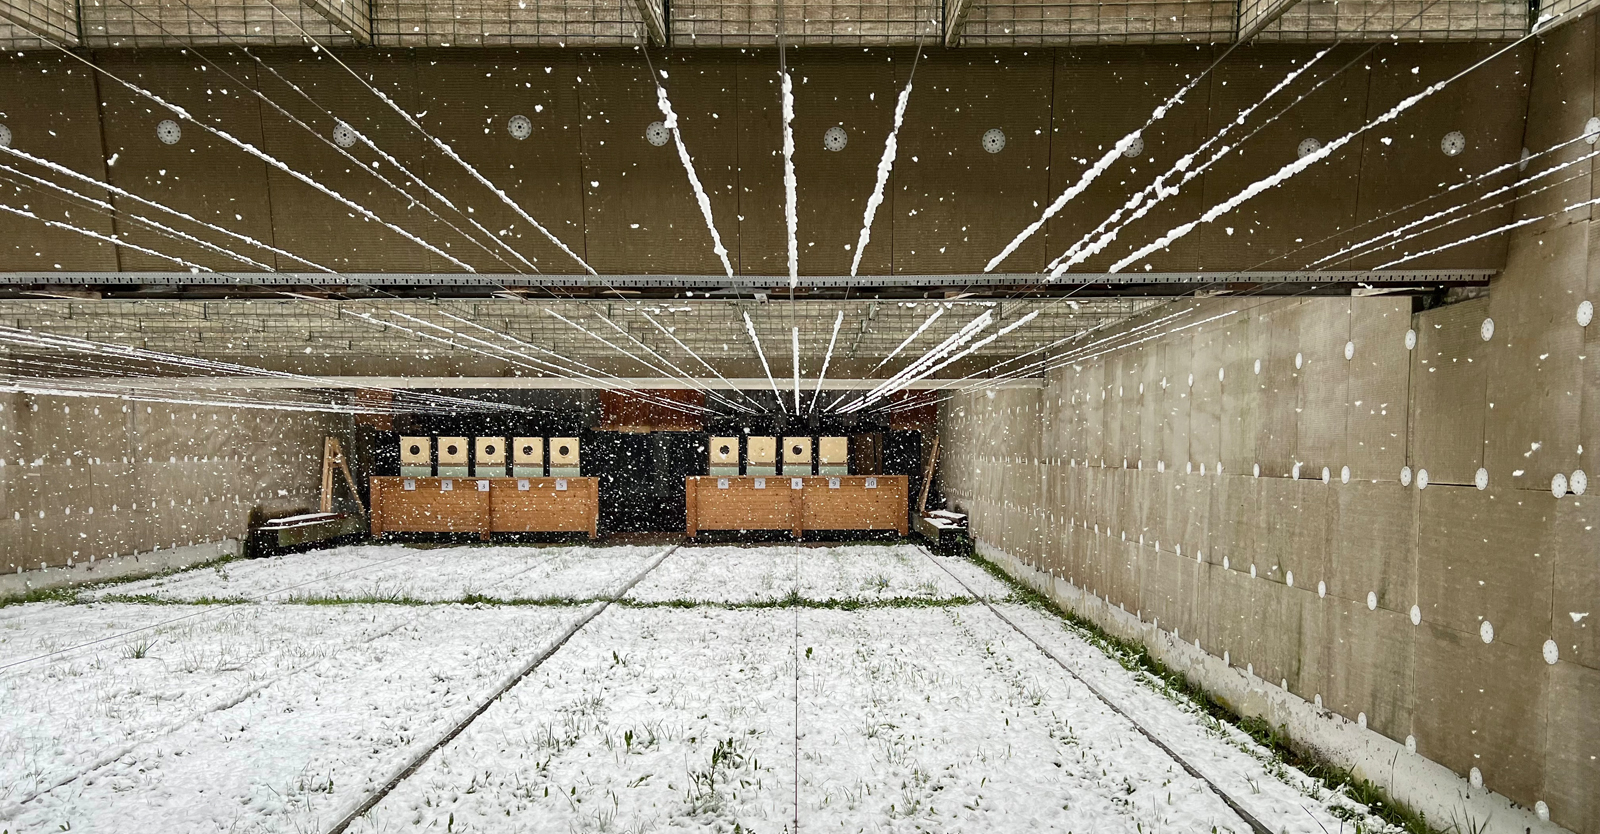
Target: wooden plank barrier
(485, 505)
(842, 502)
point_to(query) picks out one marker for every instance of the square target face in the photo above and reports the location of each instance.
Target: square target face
(833, 450)
(723, 451)
(452, 451)
(563, 451)
(762, 450)
(527, 451)
(797, 449)
(416, 451)
(490, 451)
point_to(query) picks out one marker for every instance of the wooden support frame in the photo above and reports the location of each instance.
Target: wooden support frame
(332, 456)
(841, 502)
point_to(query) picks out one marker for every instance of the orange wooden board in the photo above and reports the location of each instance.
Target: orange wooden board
(502, 508)
(852, 506)
(741, 506)
(542, 508)
(428, 507)
(816, 506)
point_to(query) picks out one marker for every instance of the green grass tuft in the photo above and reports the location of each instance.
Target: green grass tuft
(70, 594)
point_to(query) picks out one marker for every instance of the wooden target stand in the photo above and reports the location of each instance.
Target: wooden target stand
(796, 504)
(485, 505)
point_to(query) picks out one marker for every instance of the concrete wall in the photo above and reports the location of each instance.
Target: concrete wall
(1156, 475)
(589, 176)
(86, 480)
(1372, 597)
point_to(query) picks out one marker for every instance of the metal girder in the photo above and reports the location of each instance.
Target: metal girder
(753, 282)
(244, 383)
(955, 20)
(52, 21)
(655, 20)
(353, 17)
(1252, 26)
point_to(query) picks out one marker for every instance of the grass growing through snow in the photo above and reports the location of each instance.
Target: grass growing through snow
(70, 594)
(790, 600)
(1135, 658)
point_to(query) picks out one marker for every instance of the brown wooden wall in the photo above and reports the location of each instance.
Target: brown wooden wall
(590, 178)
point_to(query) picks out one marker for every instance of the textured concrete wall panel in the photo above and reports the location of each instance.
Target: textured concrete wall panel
(641, 212)
(184, 175)
(943, 165)
(86, 480)
(1413, 161)
(1448, 382)
(312, 224)
(1379, 388)
(1100, 95)
(1535, 359)
(832, 187)
(469, 100)
(1560, 103)
(1482, 707)
(55, 98)
(1281, 228)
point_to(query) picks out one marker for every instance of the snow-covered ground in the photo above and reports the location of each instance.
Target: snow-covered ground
(396, 573)
(863, 574)
(742, 688)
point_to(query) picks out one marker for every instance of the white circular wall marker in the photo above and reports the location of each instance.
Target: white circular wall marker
(344, 135)
(5, 136)
(1578, 482)
(994, 140)
(1349, 351)
(834, 139)
(1453, 143)
(1585, 310)
(1416, 615)
(1307, 147)
(1552, 652)
(1486, 330)
(1372, 600)
(1591, 130)
(1422, 479)
(1135, 147)
(1481, 479)
(1486, 631)
(169, 132)
(1411, 340)
(656, 133)
(1558, 485)
(520, 127)
(1405, 476)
